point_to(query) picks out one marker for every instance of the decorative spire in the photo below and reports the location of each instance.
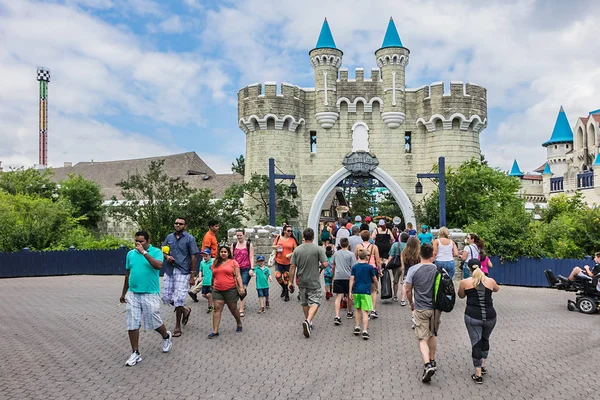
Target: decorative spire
(325, 38)
(391, 39)
(596, 161)
(547, 170)
(515, 170)
(562, 132)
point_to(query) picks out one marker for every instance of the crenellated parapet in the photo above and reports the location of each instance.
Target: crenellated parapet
(466, 103)
(258, 104)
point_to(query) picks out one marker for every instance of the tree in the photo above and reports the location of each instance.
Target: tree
(85, 197)
(561, 204)
(30, 181)
(387, 205)
(474, 192)
(361, 201)
(239, 166)
(152, 201)
(230, 209)
(257, 188)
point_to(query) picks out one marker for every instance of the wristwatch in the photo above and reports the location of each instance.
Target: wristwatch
(144, 252)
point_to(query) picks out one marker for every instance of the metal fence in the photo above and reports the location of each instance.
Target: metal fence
(530, 271)
(68, 262)
(523, 272)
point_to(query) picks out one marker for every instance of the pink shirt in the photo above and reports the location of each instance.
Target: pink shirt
(484, 265)
(241, 256)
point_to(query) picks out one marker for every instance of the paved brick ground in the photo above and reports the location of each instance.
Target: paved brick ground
(65, 337)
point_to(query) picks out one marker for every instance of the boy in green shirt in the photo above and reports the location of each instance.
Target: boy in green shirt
(204, 279)
(263, 277)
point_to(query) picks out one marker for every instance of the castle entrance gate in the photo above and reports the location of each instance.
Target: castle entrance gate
(357, 164)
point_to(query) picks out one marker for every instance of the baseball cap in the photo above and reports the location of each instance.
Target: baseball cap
(358, 218)
(424, 227)
(473, 263)
(260, 258)
(368, 219)
(382, 222)
(206, 251)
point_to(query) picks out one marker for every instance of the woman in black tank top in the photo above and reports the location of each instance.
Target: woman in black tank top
(480, 315)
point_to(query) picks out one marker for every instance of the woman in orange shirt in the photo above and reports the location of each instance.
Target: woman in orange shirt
(227, 288)
(284, 246)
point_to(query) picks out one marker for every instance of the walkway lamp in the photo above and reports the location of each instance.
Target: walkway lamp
(272, 177)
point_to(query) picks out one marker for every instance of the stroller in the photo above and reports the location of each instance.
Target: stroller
(587, 296)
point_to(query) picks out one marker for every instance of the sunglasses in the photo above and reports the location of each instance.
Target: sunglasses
(179, 223)
(288, 231)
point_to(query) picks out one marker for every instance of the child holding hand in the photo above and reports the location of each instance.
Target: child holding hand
(263, 277)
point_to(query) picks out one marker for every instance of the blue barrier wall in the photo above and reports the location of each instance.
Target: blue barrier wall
(530, 271)
(68, 262)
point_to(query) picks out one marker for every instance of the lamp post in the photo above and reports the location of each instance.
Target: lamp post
(272, 177)
(441, 177)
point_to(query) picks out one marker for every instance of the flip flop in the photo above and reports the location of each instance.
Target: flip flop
(242, 314)
(176, 334)
(186, 317)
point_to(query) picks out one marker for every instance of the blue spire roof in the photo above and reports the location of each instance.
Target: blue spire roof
(391, 39)
(562, 132)
(547, 170)
(515, 170)
(596, 161)
(325, 38)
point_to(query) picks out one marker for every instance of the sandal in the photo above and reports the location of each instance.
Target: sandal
(242, 314)
(186, 317)
(176, 333)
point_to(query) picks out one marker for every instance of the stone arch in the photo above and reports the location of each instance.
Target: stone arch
(591, 134)
(395, 189)
(342, 100)
(379, 103)
(579, 138)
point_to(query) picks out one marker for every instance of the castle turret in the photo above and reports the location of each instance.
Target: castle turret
(515, 170)
(326, 60)
(560, 143)
(392, 59)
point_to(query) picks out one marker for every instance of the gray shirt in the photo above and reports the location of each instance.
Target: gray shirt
(354, 241)
(343, 261)
(341, 233)
(308, 258)
(422, 276)
(181, 250)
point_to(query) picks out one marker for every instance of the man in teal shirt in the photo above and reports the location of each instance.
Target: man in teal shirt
(141, 294)
(425, 237)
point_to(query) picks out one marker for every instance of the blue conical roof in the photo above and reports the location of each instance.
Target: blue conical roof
(562, 132)
(596, 161)
(391, 39)
(547, 170)
(515, 170)
(325, 38)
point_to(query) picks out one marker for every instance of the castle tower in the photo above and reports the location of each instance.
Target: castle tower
(326, 60)
(515, 170)
(392, 59)
(559, 144)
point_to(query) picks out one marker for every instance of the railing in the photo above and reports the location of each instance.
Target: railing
(530, 271)
(585, 180)
(556, 184)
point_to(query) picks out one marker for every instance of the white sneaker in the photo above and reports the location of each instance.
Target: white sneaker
(133, 359)
(167, 343)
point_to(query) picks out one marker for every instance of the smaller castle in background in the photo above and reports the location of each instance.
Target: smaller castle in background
(572, 162)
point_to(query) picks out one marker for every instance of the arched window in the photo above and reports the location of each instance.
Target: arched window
(360, 137)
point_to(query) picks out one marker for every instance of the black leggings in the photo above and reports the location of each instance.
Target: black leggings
(479, 333)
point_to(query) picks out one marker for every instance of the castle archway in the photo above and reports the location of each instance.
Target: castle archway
(342, 173)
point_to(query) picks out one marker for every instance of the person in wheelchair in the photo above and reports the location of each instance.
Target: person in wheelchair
(586, 272)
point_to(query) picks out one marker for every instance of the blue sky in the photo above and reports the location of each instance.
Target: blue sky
(135, 78)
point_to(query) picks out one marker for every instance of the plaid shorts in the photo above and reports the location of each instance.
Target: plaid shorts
(142, 305)
(175, 288)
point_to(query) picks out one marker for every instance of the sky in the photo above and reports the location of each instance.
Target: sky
(141, 78)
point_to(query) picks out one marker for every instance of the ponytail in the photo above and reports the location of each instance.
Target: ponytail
(477, 275)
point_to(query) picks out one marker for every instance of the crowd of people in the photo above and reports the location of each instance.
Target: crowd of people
(352, 259)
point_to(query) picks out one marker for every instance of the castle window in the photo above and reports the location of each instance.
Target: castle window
(556, 146)
(567, 146)
(407, 141)
(313, 141)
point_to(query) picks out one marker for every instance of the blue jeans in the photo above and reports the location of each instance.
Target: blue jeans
(245, 274)
(449, 266)
(466, 272)
(263, 292)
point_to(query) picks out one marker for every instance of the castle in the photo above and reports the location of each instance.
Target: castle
(310, 131)
(570, 162)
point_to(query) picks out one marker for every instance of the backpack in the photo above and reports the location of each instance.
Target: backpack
(444, 295)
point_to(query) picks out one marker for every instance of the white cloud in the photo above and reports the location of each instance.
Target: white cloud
(97, 70)
(171, 25)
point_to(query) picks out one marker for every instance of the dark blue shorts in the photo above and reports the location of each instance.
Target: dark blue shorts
(206, 289)
(245, 273)
(263, 292)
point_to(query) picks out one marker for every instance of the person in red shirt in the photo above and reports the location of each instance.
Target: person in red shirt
(284, 246)
(210, 238)
(227, 288)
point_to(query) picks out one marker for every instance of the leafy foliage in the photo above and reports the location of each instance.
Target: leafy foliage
(257, 188)
(85, 197)
(30, 181)
(387, 205)
(239, 166)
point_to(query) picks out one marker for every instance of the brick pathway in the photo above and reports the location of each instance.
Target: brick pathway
(65, 337)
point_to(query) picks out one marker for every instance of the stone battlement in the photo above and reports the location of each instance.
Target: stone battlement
(359, 74)
(269, 90)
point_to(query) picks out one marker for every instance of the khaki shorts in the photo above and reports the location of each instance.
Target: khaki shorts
(228, 296)
(427, 323)
(397, 274)
(311, 297)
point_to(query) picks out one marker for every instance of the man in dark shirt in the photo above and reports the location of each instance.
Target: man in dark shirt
(179, 266)
(586, 271)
